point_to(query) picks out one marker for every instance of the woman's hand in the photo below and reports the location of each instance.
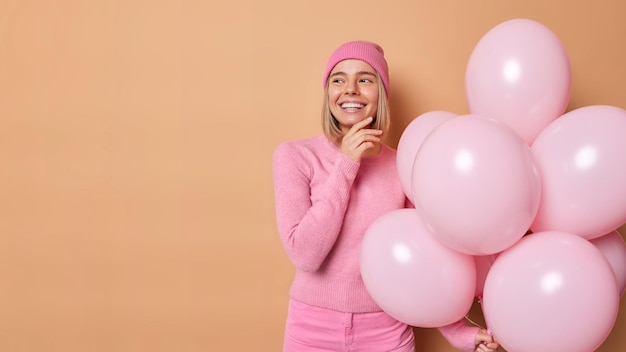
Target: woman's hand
(485, 342)
(360, 139)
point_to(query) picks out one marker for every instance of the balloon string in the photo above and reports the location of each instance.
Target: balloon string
(480, 301)
(473, 322)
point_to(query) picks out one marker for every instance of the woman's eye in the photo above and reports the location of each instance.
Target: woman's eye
(338, 80)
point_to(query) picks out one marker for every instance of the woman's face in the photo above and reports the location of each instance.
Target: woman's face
(352, 92)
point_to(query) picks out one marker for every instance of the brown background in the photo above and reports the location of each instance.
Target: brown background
(136, 202)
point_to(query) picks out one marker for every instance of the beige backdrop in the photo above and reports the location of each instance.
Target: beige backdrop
(136, 201)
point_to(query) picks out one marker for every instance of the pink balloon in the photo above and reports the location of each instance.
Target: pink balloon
(483, 265)
(410, 141)
(476, 185)
(614, 249)
(520, 74)
(412, 276)
(581, 160)
(551, 292)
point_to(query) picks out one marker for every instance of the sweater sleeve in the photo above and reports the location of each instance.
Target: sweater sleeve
(309, 225)
(460, 335)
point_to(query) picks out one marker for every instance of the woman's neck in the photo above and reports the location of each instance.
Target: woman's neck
(370, 153)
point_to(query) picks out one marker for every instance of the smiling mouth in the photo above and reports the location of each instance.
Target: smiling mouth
(352, 106)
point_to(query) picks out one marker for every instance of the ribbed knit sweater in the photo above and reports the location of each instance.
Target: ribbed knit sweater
(325, 202)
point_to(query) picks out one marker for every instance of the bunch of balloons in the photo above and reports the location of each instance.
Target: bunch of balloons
(517, 203)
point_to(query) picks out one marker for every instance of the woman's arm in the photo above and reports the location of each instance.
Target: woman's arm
(469, 338)
(309, 224)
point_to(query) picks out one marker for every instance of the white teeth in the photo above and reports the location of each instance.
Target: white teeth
(351, 106)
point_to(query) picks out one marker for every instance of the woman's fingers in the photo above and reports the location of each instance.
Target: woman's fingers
(360, 125)
(359, 139)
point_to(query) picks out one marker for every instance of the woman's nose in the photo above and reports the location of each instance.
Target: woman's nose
(351, 88)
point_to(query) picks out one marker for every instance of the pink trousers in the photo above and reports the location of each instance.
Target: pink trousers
(314, 329)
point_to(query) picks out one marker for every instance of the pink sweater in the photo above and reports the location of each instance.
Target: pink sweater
(324, 204)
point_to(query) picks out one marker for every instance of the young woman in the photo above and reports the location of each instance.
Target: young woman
(328, 190)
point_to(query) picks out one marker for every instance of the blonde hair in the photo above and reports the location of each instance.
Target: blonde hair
(331, 127)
